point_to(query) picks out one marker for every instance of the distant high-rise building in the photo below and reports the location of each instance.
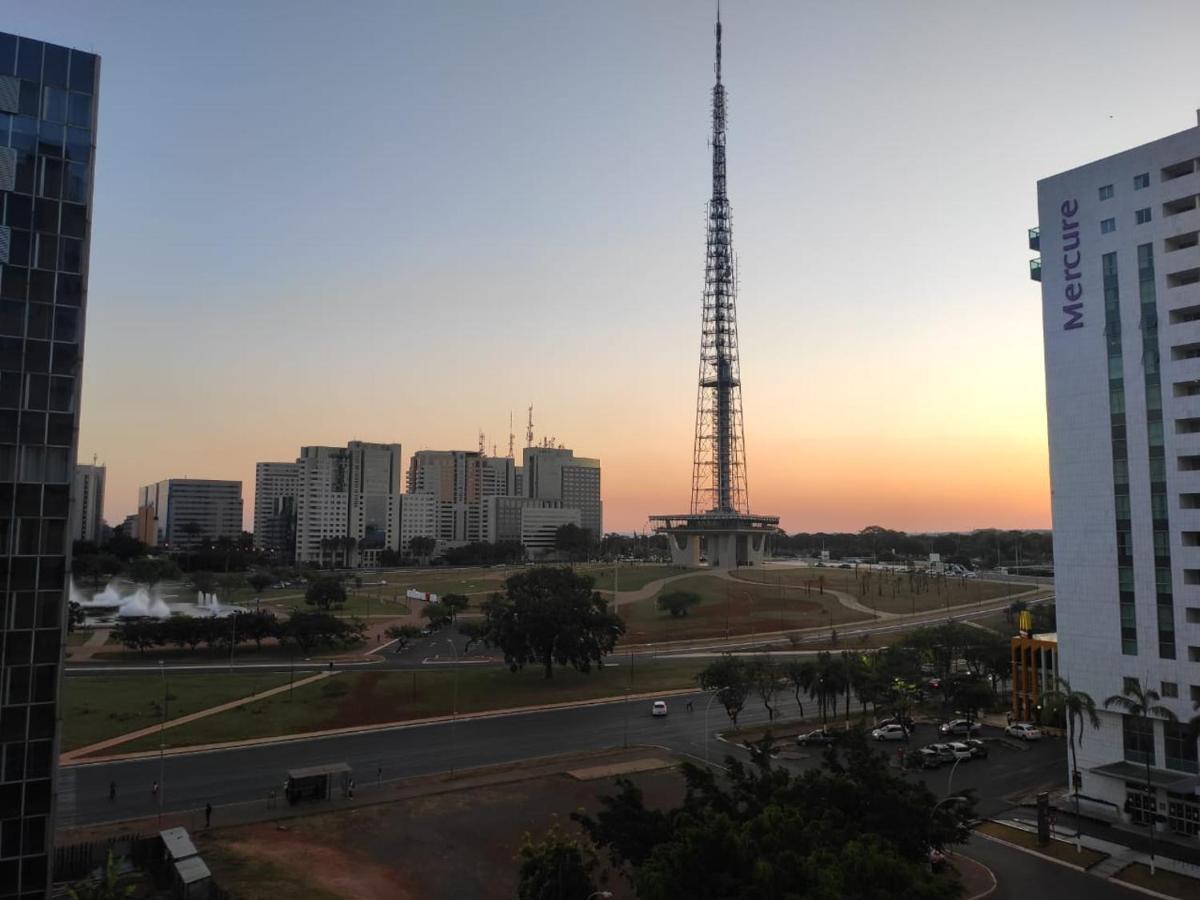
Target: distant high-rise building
(181, 513)
(47, 145)
(347, 503)
(460, 480)
(275, 486)
(87, 506)
(1120, 273)
(554, 473)
(418, 518)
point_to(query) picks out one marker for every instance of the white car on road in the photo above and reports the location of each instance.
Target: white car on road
(1026, 731)
(658, 708)
(890, 733)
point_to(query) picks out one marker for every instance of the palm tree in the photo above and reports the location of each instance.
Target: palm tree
(1143, 705)
(1077, 706)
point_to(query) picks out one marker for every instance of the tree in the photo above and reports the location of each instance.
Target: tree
(455, 603)
(764, 675)
(972, 696)
(105, 886)
(422, 548)
(402, 635)
(438, 614)
(1142, 705)
(256, 626)
(572, 541)
(1077, 706)
(551, 615)
(850, 830)
(260, 581)
(677, 603)
(474, 631)
(800, 675)
(98, 568)
(150, 571)
(229, 584)
(556, 867)
(325, 592)
(730, 677)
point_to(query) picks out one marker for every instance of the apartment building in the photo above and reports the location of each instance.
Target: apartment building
(87, 504)
(275, 488)
(181, 513)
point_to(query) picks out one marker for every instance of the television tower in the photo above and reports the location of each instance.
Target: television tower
(719, 467)
(719, 531)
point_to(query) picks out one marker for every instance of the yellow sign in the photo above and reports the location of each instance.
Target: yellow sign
(1025, 621)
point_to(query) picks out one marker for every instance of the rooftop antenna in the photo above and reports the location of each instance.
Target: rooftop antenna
(511, 437)
(529, 428)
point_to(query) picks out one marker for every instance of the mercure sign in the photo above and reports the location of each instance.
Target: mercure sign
(1072, 286)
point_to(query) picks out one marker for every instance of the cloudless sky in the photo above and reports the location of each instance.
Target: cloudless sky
(315, 222)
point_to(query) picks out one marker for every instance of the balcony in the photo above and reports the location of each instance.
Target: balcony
(1035, 241)
(1035, 268)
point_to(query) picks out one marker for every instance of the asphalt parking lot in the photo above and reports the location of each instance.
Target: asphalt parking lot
(1013, 769)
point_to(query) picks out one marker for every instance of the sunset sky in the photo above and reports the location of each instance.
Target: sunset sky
(392, 221)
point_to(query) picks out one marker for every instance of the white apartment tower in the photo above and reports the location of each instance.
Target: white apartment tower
(1120, 273)
(347, 503)
(87, 511)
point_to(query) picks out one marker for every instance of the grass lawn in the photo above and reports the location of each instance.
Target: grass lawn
(99, 707)
(1060, 850)
(886, 591)
(1164, 882)
(730, 608)
(629, 577)
(363, 603)
(366, 698)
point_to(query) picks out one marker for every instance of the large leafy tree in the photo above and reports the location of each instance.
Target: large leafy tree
(325, 592)
(677, 603)
(848, 830)
(150, 571)
(557, 866)
(551, 615)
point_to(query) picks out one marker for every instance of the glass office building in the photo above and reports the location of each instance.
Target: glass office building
(47, 145)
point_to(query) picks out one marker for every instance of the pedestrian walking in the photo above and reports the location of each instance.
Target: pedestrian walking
(1008, 716)
(112, 791)
(207, 815)
(379, 774)
(689, 706)
(154, 790)
(350, 788)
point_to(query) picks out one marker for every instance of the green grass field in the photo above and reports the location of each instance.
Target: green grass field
(98, 707)
(366, 698)
(894, 593)
(730, 608)
(628, 577)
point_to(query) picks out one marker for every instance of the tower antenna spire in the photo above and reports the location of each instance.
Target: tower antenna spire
(718, 66)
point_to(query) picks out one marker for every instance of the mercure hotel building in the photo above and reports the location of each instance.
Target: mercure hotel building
(1119, 240)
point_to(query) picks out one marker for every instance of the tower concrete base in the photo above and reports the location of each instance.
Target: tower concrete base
(717, 540)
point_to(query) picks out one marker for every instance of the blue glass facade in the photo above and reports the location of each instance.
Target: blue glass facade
(47, 144)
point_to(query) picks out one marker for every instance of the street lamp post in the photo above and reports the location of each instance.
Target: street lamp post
(929, 829)
(162, 727)
(453, 706)
(707, 706)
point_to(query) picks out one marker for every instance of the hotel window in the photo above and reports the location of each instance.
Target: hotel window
(1170, 689)
(1138, 739)
(1130, 684)
(1180, 747)
(1106, 192)
(1143, 216)
(1141, 181)
(1108, 226)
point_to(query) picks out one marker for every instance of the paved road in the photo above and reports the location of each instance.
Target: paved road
(1023, 877)
(227, 776)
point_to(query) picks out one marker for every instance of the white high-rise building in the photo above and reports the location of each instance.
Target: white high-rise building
(555, 473)
(275, 485)
(1120, 274)
(87, 510)
(347, 503)
(418, 518)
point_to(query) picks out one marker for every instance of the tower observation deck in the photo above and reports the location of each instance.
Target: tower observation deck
(719, 526)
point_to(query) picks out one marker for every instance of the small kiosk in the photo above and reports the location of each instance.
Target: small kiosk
(317, 783)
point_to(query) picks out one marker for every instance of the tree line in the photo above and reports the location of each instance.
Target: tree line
(306, 631)
(987, 547)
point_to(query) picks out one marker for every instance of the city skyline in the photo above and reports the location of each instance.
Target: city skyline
(470, 249)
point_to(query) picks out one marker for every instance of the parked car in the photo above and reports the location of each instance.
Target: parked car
(658, 708)
(978, 748)
(1025, 731)
(928, 758)
(961, 751)
(818, 737)
(890, 733)
(959, 726)
(943, 751)
(905, 721)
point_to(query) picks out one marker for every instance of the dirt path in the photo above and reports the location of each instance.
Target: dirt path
(84, 651)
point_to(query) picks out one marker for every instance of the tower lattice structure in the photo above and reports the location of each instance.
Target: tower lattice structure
(719, 468)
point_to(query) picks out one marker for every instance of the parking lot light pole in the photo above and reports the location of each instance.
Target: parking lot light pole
(932, 812)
